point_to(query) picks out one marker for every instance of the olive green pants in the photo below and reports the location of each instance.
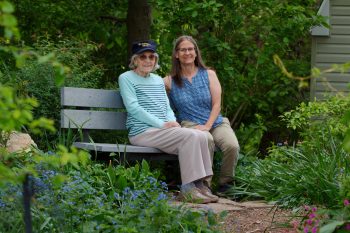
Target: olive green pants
(224, 138)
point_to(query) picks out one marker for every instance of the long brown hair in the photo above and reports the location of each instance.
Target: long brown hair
(175, 72)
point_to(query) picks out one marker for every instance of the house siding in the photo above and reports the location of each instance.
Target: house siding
(330, 50)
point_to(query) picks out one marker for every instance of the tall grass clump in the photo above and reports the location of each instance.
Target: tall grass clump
(296, 176)
(312, 170)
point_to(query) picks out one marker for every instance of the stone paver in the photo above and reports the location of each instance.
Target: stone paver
(224, 205)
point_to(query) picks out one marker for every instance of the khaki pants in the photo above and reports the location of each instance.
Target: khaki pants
(223, 137)
(190, 145)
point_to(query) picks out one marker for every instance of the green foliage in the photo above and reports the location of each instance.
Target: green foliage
(8, 21)
(250, 137)
(104, 199)
(315, 170)
(31, 78)
(314, 118)
(16, 113)
(295, 176)
(346, 120)
(345, 188)
(93, 198)
(335, 220)
(101, 21)
(238, 39)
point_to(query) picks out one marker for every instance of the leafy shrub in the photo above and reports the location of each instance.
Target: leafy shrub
(313, 170)
(250, 136)
(312, 118)
(299, 175)
(103, 199)
(37, 80)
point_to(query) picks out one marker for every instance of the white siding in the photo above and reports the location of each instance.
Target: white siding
(330, 50)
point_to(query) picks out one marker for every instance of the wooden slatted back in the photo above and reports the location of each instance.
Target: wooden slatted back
(87, 113)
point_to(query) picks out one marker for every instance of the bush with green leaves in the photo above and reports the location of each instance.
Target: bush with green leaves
(313, 170)
(38, 79)
(238, 39)
(16, 113)
(311, 119)
(250, 136)
(292, 177)
(101, 198)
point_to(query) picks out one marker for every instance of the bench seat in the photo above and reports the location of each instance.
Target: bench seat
(96, 109)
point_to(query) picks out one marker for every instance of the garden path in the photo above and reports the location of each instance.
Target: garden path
(249, 217)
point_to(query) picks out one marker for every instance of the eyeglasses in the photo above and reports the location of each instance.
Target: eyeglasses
(144, 57)
(184, 50)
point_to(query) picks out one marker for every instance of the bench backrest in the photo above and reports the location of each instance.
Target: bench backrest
(87, 108)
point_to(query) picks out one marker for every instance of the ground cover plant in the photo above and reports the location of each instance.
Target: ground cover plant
(99, 198)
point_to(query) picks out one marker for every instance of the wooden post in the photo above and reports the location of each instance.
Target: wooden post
(27, 195)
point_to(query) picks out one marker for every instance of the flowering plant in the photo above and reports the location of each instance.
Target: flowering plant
(327, 220)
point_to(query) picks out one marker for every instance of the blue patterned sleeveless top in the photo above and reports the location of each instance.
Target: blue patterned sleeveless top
(192, 101)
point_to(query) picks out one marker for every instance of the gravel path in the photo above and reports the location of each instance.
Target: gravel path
(249, 217)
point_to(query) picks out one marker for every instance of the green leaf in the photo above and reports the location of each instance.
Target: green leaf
(59, 78)
(8, 33)
(9, 20)
(46, 58)
(122, 183)
(329, 228)
(7, 7)
(346, 143)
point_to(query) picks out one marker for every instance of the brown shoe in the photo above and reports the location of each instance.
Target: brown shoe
(194, 196)
(206, 191)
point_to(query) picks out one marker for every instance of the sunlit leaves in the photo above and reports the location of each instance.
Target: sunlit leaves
(6, 7)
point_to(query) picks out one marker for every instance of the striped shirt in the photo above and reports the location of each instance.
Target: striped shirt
(146, 102)
(192, 101)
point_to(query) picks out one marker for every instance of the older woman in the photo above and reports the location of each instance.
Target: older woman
(195, 92)
(151, 122)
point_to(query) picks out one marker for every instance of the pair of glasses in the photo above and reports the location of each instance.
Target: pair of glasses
(184, 50)
(144, 57)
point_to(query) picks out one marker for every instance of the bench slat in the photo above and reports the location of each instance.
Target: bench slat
(87, 97)
(88, 119)
(107, 147)
(133, 152)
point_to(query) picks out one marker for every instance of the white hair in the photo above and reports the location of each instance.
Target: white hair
(132, 64)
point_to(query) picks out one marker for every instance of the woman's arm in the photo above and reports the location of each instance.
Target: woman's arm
(170, 112)
(215, 91)
(167, 83)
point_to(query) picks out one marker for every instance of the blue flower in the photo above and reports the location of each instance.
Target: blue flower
(126, 191)
(162, 196)
(2, 204)
(164, 185)
(116, 196)
(40, 185)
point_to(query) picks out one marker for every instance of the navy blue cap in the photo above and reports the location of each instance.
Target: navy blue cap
(142, 46)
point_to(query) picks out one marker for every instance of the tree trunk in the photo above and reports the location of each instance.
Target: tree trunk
(138, 22)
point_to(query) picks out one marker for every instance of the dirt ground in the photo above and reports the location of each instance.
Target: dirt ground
(249, 217)
(258, 220)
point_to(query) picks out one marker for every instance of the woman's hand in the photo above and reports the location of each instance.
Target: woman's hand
(202, 127)
(171, 124)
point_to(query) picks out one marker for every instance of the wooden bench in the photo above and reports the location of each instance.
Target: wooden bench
(97, 109)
